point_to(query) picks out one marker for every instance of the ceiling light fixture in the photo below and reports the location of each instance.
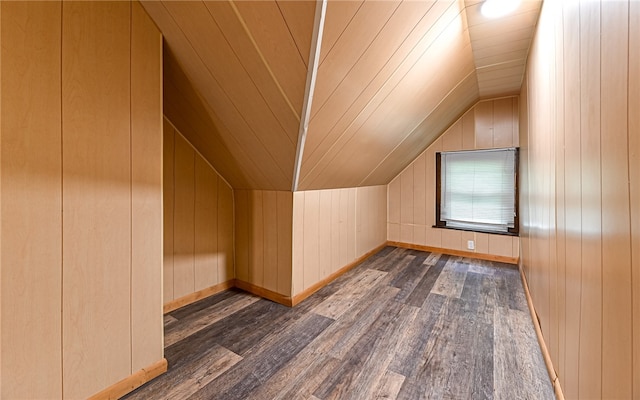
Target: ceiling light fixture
(498, 8)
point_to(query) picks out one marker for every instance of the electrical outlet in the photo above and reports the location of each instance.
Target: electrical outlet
(471, 245)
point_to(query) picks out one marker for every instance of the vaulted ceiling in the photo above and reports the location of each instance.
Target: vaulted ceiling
(367, 84)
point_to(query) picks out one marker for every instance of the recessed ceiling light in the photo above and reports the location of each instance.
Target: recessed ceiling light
(498, 8)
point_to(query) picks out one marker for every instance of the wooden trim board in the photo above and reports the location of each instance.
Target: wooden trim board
(555, 381)
(132, 382)
(322, 283)
(199, 295)
(264, 293)
(480, 256)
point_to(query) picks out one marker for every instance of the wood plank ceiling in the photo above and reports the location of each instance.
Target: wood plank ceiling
(392, 76)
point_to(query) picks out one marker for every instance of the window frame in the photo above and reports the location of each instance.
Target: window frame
(515, 231)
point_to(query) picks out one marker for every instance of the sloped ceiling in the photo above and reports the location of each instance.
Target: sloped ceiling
(391, 77)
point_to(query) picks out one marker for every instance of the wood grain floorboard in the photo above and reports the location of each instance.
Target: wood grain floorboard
(338, 385)
(517, 358)
(342, 300)
(416, 336)
(389, 386)
(414, 266)
(206, 317)
(255, 369)
(403, 324)
(422, 290)
(451, 280)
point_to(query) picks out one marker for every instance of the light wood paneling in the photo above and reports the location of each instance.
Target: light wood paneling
(269, 30)
(199, 254)
(270, 240)
(299, 16)
(345, 224)
(590, 369)
(285, 231)
(253, 98)
(406, 196)
(616, 235)
(411, 212)
(31, 198)
(393, 214)
(448, 110)
(146, 190)
(500, 46)
(468, 130)
(167, 207)
(264, 240)
(634, 187)
(84, 154)
(484, 124)
(242, 235)
(226, 212)
(297, 272)
(255, 51)
(183, 218)
(256, 238)
(414, 90)
(311, 244)
(579, 138)
(325, 231)
(343, 57)
(205, 226)
(0, 203)
(452, 138)
(419, 190)
(392, 77)
(573, 209)
(501, 245)
(200, 124)
(503, 130)
(96, 196)
(337, 19)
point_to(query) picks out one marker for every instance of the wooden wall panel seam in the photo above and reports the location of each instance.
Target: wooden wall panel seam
(263, 59)
(198, 152)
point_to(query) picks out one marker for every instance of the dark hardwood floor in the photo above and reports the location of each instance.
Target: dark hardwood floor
(403, 324)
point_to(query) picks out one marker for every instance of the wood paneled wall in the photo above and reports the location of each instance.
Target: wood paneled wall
(411, 215)
(263, 240)
(332, 228)
(580, 199)
(198, 215)
(81, 196)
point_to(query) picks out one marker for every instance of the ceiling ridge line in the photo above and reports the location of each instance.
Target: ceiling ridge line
(312, 72)
(262, 58)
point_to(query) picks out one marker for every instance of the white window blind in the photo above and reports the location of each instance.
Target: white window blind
(478, 189)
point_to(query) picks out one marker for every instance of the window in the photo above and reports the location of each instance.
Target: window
(477, 190)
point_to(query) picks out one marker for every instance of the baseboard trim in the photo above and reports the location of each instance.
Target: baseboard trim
(265, 293)
(199, 295)
(324, 282)
(132, 382)
(289, 301)
(555, 381)
(469, 254)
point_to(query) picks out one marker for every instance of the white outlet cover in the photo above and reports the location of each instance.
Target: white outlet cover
(471, 245)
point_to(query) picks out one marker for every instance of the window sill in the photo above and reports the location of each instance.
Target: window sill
(477, 230)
